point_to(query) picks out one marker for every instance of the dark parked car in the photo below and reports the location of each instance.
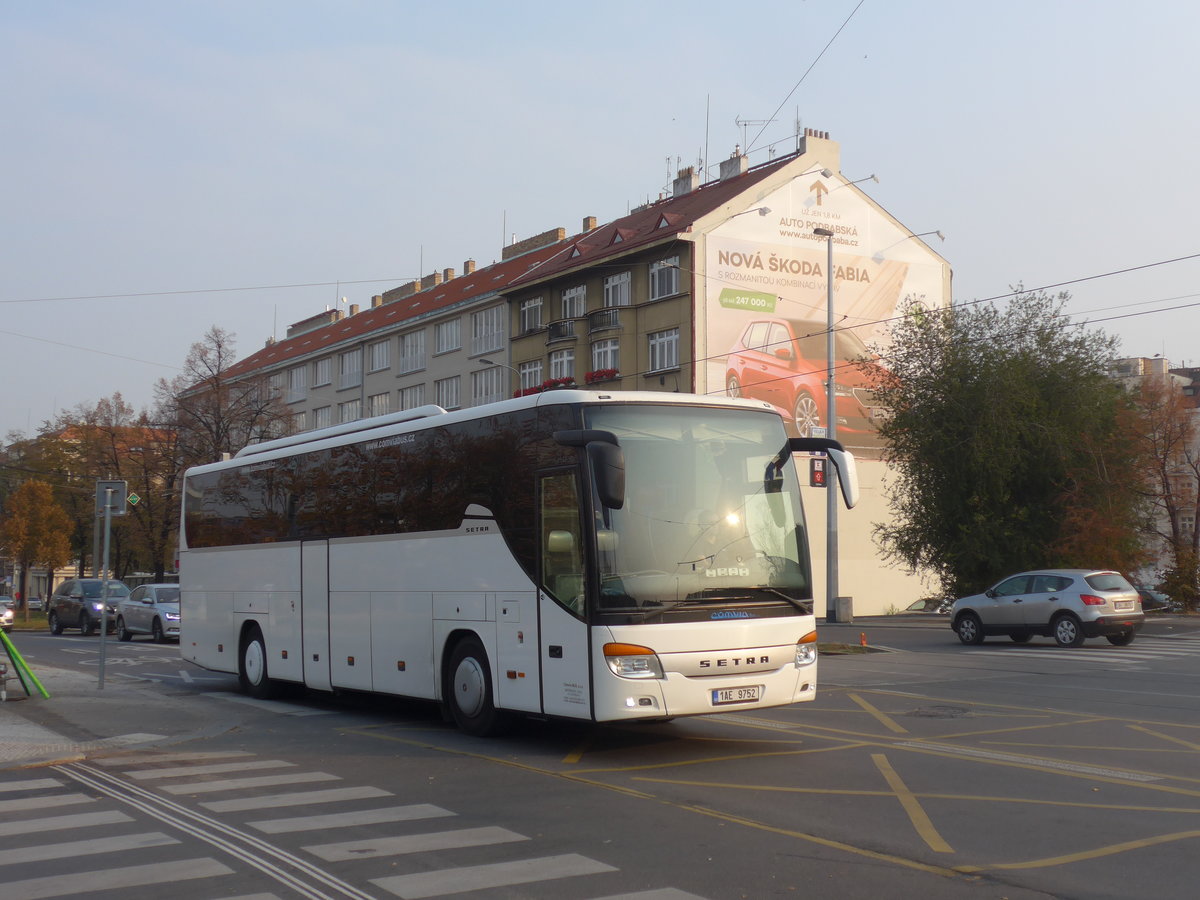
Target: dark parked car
(1066, 604)
(784, 362)
(1154, 601)
(78, 603)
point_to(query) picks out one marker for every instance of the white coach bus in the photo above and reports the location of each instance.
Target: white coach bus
(605, 557)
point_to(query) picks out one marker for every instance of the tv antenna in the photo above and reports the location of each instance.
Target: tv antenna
(746, 123)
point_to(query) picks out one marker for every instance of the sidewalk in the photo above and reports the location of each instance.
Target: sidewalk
(77, 719)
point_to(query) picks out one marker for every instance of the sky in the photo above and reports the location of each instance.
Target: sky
(168, 167)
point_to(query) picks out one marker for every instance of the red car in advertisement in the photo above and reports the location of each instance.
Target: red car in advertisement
(783, 361)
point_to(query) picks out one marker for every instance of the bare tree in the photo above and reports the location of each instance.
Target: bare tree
(1171, 439)
(215, 410)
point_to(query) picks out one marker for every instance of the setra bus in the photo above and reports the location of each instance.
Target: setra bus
(605, 557)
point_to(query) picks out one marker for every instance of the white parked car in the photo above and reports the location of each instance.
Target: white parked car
(151, 609)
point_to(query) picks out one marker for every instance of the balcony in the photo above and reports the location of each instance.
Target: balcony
(605, 319)
(562, 330)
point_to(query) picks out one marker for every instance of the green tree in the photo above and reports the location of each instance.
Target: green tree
(34, 531)
(1008, 444)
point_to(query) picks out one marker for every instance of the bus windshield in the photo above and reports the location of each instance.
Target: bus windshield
(712, 514)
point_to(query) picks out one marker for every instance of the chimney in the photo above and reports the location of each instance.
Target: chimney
(431, 281)
(734, 166)
(685, 182)
(469, 267)
(377, 301)
(589, 224)
(399, 293)
(447, 275)
(545, 239)
(354, 309)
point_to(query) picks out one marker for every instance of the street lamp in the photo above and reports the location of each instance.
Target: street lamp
(488, 362)
(831, 535)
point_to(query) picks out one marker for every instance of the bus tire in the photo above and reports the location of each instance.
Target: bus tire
(469, 690)
(252, 666)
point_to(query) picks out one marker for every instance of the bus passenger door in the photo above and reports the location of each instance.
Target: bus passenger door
(314, 613)
(563, 635)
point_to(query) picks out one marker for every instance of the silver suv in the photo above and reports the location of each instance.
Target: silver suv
(78, 603)
(1066, 604)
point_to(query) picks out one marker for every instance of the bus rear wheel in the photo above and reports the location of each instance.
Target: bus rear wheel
(252, 666)
(469, 690)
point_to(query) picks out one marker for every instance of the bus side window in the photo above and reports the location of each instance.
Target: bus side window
(562, 547)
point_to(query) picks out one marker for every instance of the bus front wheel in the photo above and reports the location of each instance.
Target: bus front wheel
(252, 666)
(469, 690)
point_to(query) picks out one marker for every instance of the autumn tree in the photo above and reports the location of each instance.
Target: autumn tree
(33, 530)
(212, 409)
(1008, 444)
(1171, 441)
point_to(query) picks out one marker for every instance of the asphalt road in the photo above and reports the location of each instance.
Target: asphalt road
(923, 768)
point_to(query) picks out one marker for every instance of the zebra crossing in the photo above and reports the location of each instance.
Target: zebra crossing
(114, 824)
(1144, 649)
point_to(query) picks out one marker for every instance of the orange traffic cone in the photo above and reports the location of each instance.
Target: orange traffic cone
(862, 638)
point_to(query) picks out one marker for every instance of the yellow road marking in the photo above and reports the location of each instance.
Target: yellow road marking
(1166, 737)
(1083, 855)
(827, 842)
(916, 813)
(888, 722)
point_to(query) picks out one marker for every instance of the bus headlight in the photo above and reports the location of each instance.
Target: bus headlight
(806, 650)
(632, 661)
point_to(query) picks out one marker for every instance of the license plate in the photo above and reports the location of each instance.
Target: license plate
(723, 696)
(1124, 604)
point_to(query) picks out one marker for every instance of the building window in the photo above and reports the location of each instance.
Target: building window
(379, 404)
(531, 314)
(411, 397)
(322, 417)
(488, 386)
(664, 350)
(446, 336)
(531, 374)
(606, 355)
(562, 364)
(297, 384)
(412, 351)
(379, 356)
(445, 392)
(350, 369)
(616, 290)
(275, 382)
(574, 302)
(299, 421)
(322, 371)
(350, 411)
(487, 330)
(664, 278)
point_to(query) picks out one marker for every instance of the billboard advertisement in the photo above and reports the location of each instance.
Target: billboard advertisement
(766, 281)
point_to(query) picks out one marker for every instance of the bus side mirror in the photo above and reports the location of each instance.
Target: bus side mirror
(608, 462)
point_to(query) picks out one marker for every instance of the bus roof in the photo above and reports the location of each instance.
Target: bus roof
(422, 417)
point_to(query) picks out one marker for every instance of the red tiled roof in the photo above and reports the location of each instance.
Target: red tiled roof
(481, 282)
(644, 226)
(647, 224)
